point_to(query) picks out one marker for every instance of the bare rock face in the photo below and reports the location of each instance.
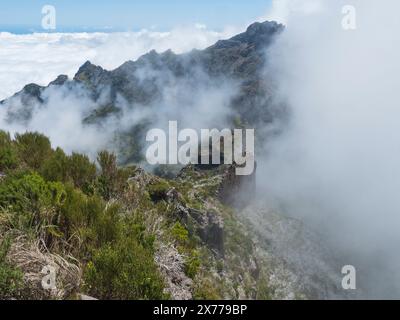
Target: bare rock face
(222, 183)
(206, 224)
(231, 189)
(59, 81)
(172, 266)
(210, 228)
(237, 191)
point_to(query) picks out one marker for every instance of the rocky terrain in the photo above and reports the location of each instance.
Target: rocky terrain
(112, 230)
(197, 243)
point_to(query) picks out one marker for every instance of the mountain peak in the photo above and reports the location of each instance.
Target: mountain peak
(258, 35)
(59, 81)
(264, 27)
(88, 70)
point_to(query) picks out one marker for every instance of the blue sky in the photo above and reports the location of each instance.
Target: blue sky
(76, 15)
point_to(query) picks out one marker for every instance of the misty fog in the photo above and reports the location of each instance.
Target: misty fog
(336, 165)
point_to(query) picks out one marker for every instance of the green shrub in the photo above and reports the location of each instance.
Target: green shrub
(192, 264)
(90, 220)
(108, 163)
(77, 169)
(33, 148)
(112, 180)
(135, 226)
(31, 198)
(263, 290)
(55, 168)
(81, 171)
(205, 289)
(108, 226)
(192, 261)
(11, 278)
(73, 211)
(158, 191)
(30, 193)
(8, 153)
(179, 233)
(125, 270)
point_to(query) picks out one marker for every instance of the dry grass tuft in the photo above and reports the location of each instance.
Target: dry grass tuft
(32, 258)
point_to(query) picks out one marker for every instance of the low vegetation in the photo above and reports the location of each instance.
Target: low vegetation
(105, 227)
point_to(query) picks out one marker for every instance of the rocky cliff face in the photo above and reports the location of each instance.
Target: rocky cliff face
(234, 186)
(258, 246)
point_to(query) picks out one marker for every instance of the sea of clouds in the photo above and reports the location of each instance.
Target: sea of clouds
(40, 57)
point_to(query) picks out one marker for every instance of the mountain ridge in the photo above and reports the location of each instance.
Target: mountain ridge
(240, 57)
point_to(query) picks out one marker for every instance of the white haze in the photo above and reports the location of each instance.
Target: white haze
(338, 163)
(40, 57)
(195, 101)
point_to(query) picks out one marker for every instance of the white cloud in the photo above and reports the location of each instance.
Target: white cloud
(337, 165)
(41, 57)
(282, 10)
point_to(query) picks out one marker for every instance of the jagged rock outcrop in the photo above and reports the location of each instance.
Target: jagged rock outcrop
(236, 190)
(59, 81)
(172, 266)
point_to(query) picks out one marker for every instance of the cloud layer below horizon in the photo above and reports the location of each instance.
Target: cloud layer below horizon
(41, 57)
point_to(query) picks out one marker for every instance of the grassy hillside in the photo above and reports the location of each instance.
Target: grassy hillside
(117, 233)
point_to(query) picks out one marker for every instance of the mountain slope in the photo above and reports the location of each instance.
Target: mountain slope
(185, 234)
